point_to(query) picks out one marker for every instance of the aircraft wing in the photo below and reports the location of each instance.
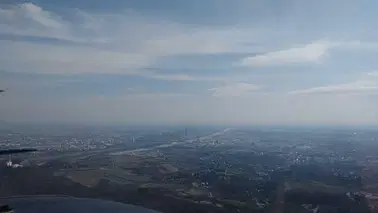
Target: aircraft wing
(13, 151)
(66, 204)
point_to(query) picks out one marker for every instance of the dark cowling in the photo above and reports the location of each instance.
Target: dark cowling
(12, 151)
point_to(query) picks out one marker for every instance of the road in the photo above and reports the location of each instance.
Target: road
(279, 205)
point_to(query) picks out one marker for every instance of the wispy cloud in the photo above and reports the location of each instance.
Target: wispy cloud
(36, 14)
(182, 77)
(368, 83)
(31, 20)
(232, 90)
(122, 43)
(373, 74)
(360, 86)
(124, 31)
(309, 53)
(48, 58)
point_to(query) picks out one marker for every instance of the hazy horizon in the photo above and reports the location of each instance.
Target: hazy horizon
(182, 126)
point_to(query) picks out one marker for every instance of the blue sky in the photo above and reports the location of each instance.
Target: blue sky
(189, 62)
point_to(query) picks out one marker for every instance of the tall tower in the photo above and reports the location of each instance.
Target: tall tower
(9, 162)
(186, 132)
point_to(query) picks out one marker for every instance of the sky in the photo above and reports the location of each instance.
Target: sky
(241, 62)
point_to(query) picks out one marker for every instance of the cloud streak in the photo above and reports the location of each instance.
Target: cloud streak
(47, 58)
(373, 74)
(31, 20)
(104, 43)
(309, 53)
(234, 90)
(356, 87)
(360, 86)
